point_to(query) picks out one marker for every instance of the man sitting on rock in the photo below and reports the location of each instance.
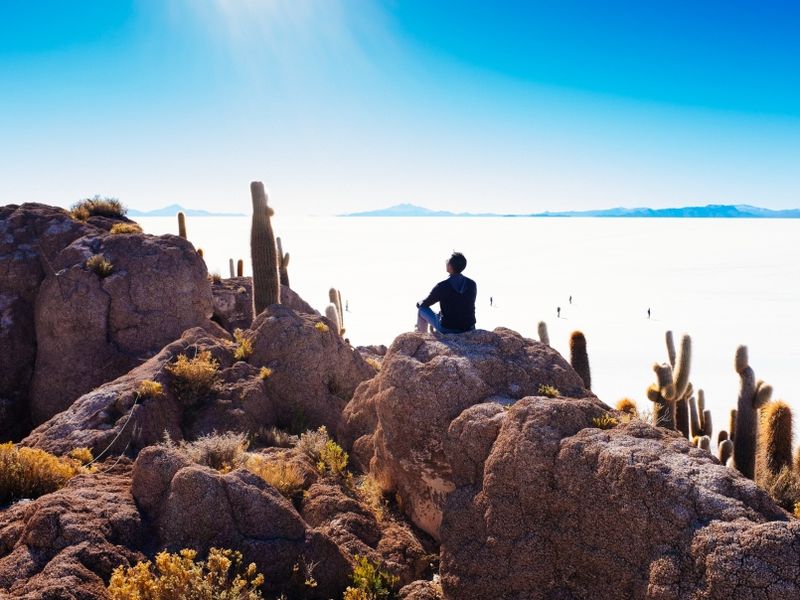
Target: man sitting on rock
(456, 297)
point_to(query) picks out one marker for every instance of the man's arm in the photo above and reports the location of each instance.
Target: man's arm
(432, 298)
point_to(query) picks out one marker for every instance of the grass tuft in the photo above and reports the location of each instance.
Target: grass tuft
(125, 228)
(549, 391)
(97, 207)
(279, 473)
(30, 472)
(193, 377)
(99, 265)
(605, 422)
(244, 345)
(147, 388)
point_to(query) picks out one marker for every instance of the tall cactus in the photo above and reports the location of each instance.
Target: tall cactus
(662, 394)
(544, 337)
(335, 297)
(753, 395)
(240, 268)
(283, 263)
(333, 317)
(579, 358)
(264, 254)
(775, 437)
(673, 389)
(230, 266)
(182, 225)
(732, 425)
(700, 417)
(725, 451)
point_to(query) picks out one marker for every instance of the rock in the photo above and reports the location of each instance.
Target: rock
(421, 590)
(92, 329)
(31, 236)
(314, 372)
(200, 508)
(398, 422)
(566, 510)
(99, 420)
(67, 543)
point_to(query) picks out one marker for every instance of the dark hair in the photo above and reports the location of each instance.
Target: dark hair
(458, 262)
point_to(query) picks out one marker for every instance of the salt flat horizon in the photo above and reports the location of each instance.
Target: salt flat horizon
(725, 282)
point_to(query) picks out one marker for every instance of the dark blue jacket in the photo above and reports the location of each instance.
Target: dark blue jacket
(456, 297)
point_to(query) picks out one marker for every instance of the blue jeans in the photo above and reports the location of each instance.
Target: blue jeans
(426, 315)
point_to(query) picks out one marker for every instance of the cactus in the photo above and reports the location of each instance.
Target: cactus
(544, 337)
(579, 359)
(627, 405)
(694, 418)
(240, 268)
(670, 348)
(659, 392)
(333, 316)
(182, 225)
(704, 442)
(682, 368)
(775, 437)
(700, 418)
(200, 252)
(725, 451)
(707, 424)
(732, 425)
(721, 437)
(283, 263)
(264, 255)
(682, 417)
(752, 396)
(336, 299)
(230, 266)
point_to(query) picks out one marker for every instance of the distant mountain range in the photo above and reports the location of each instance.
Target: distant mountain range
(710, 211)
(174, 209)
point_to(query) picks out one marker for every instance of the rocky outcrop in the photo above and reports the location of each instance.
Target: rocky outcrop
(398, 422)
(66, 544)
(92, 328)
(421, 590)
(31, 236)
(314, 371)
(197, 507)
(562, 509)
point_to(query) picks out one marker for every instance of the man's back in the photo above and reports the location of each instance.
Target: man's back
(456, 296)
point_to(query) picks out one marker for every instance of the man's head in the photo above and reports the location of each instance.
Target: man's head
(456, 263)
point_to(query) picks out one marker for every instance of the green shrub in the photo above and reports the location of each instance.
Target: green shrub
(369, 582)
(175, 576)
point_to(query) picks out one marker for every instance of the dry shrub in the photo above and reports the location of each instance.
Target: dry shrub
(175, 576)
(193, 377)
(311, 443)
(221, 451)
(605, 422)
(244, 345)
(147, 388)
(327, 455)
(99, 265)
(30, 472)
(321, 327)
(97, 206)
(279, 473)
(627, 405)
(265, 373)
(82, 455)
(274, 437)
(549, 391)
(215, 277)
(374, 363)
(118, 228)
(371, 493)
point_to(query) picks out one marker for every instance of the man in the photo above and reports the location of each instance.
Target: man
(456, 298)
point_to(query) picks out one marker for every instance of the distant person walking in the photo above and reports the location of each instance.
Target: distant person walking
(648, 313)
(558, 312)
(491, 300)
(456, 297)
(570, 299)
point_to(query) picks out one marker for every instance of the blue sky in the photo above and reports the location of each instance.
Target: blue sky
(350, 105)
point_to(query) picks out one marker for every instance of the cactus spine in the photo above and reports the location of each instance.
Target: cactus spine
(182, 225)
(283, 263)
(752, 396)
(264, 255)
(775, 437)
(544, 337)
(240, 268)
(579, 358)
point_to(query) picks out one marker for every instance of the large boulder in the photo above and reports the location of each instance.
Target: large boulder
(562, 509)
(67, 543)
(31, 236)
(398, 422)
(314, 371)
(91, 328)
(196, 507)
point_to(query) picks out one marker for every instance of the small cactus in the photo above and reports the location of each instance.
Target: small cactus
(283, 263)
(264, 254)
(753, 395)
(544, 337)
(704, 442)
(200, 252)
(240, 268)
(721, 437)
(182, 225)
(335, 297)
(579, 358)
(775, 437)
(725, 451)
(333, 316)
(732, 425)
(230, 267)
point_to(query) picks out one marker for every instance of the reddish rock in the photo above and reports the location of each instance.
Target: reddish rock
(398, 421)
(421, 590)
(31, 236)
(66, 544)
(565, 510)
(92, 329)
(314, 371)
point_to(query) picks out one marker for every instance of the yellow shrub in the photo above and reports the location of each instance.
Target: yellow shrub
(244, 346)
(322, 327)
(147, 388)
(628, 406)
(178, 576)
(126, 228)
(370, 491)
(605, 422)
(30, 473)
(82, 455)
(374, 363)
(280, 474)
(369, 582)
(193, 376)
(549, 391)
(99, 265)
(265, 373)
(332, 459)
